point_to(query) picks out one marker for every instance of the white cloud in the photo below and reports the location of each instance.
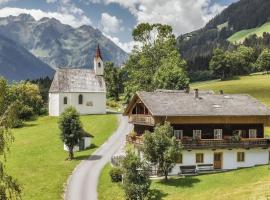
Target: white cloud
(126, 46)
(51, 1)
(5, 1)
(110, 24)
(75, 18)
(183, 15)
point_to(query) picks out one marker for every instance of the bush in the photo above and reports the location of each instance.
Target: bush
(26, 112)
(201, 75)
(112, 104)
(116, 174)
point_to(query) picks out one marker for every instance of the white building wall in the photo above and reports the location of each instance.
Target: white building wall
(93, 103)
(53, 104)
(253, 156)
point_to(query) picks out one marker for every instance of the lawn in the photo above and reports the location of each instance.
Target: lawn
(240, 36)
(242, 184)
(37, 158)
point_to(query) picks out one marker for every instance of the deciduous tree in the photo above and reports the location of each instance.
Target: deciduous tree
(161, 148)
(9, 188)
(263, 61)
(71, 129)
(136, 180)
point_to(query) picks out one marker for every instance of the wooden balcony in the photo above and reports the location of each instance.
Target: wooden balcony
(212, 143)
(221, 144)
(142, 119)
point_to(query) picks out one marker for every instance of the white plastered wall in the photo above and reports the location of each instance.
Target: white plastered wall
(93, 103)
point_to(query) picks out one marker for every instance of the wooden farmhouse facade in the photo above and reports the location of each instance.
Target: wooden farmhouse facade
(217, 131)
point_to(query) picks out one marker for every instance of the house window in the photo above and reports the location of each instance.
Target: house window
(218, 134)
(80, 99)
(197, 134)
(65, 100)
(240, 156)
(199, 157)
(178, 134)
(252, 133)
(180, 159)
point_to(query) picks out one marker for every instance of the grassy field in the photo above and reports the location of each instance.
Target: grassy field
(257, 86)
(37, 158)
(240, 36)
(242, 184)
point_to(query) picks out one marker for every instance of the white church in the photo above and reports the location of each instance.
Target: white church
(83, 89)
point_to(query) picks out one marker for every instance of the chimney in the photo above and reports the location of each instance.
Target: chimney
(221, 92)
(196, 93)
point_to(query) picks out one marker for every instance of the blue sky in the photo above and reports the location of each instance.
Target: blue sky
(117, 18)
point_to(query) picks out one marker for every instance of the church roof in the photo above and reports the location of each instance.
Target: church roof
(77, 80)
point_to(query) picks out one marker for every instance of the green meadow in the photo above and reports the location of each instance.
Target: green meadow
(37, 159)
(240, 36)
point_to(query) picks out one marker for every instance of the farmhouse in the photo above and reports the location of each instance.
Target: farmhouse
(217, 131)
(83, 89)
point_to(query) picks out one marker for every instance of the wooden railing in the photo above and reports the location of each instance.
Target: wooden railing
(243, 143)
(212, 144)
(142, 119)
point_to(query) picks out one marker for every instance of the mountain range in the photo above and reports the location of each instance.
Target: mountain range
(54, 44)
(16, 63)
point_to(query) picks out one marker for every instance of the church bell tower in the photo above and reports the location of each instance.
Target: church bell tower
(98, 63)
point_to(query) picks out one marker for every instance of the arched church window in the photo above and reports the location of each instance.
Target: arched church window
(80, 99)
(99, 65)
(65, 100)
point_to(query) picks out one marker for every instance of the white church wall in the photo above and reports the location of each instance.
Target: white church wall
(93, 103)
(53, 104)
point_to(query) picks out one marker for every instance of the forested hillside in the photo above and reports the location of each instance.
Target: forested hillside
(197, 47)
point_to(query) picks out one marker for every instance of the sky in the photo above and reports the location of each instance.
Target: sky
(117, 18)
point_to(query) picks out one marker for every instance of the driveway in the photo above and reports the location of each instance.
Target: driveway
(82, 184)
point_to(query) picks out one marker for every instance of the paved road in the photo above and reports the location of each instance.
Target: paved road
(82, 184)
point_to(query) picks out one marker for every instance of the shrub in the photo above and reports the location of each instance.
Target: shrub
(112, 104)
(26, 112)
(116, 174)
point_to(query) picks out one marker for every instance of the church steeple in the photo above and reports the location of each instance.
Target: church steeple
(98, 53)
(98, 63)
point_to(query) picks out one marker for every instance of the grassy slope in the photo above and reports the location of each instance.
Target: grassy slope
(252, 183)
(108, 190)
(240, 36)
(37, 158)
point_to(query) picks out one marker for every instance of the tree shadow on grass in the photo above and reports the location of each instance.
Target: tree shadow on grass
(85, 157)
(27, 125)
(181, 182)
(155, 194)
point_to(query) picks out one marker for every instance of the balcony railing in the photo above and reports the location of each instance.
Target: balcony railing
(142, 119)
(212, 143)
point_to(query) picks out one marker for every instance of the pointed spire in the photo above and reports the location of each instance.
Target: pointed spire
(98, 53)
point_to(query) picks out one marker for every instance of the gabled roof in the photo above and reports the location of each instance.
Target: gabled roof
(77, 80)
(179, 103)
